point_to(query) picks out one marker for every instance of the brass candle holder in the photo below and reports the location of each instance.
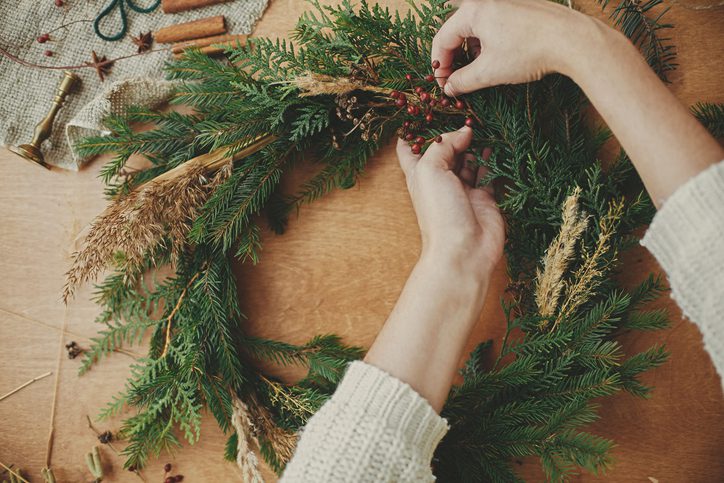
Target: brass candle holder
(31, 151)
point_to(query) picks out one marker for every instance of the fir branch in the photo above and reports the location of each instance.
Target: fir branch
(711, 115)
(632, 16)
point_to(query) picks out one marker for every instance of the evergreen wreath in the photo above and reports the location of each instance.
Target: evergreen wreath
(355, 79)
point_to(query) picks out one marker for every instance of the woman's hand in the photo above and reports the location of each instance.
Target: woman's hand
(515, 41)
(423, 340)
(459, 223)
(522, 40)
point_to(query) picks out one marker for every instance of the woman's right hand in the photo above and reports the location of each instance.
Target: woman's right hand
(515, 41)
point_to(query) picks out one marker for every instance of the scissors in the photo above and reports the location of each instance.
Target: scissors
(124, 21)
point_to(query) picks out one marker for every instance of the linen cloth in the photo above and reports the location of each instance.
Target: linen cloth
(28, 92)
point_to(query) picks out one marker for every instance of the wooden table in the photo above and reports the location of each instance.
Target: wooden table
(338, 269)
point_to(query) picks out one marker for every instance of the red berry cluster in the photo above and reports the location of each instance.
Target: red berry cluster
(424, 104)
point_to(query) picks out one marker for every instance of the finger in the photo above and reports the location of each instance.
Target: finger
(448, 39)
(468, 79)
(406, 157)
(482, 173)
(445, 154)
(468, 171)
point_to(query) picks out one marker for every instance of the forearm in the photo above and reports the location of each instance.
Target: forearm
(424, 337)
(665, 142)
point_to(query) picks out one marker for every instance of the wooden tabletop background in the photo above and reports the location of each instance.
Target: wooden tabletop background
(339, 269)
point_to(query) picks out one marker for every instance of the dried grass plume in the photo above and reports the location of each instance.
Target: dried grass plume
(139, 223)
(312, 84)
(245, 435)
(589, 275)
(550, 281)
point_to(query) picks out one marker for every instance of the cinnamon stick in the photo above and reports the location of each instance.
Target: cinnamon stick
(173, 6)
(206, 41)
(204, 27)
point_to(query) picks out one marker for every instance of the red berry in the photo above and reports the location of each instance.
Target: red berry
(459, 104)
(408, 76)
(179, 477)
(409, 136)
(416, 148)
(411, 110)
(420, 140)
(432, 102)
(418, 89)
(132, 468)
(170, 479)
(406, 124)
(429, 77)
(48, 53)
(58, 3)
(469, 122)
(43, 38)
(438, 139)
(167, 467)
(424, 97)
(445, 102)
(417, 111)
(435, 64)
(428, 117)
(395, 94)
(400, 102)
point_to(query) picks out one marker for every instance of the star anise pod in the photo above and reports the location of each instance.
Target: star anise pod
(101, 64)
(143, 41)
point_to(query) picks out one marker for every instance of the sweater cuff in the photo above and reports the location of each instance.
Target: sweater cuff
(388, 399)
(686, 237)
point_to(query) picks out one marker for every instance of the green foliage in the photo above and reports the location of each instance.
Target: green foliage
(641, 22)
(711, 116)
(535, 399)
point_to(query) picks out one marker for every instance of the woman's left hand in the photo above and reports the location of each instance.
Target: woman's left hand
(459, 222)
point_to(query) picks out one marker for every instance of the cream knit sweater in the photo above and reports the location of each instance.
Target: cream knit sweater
(376, 428)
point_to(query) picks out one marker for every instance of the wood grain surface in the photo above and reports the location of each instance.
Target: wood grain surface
(339, 268)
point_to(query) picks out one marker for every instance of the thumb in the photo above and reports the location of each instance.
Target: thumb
(467, 79)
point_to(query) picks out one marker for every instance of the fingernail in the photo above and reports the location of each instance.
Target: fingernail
(448, 89)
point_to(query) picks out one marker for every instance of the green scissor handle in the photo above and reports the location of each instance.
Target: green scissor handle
(124, 20)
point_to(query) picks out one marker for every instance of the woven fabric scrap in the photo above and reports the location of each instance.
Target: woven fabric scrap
(28, 91)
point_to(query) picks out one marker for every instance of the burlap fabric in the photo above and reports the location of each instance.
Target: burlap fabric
(27, 92)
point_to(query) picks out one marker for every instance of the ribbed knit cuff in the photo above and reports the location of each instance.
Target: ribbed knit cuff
(388, 399)
(687, 238)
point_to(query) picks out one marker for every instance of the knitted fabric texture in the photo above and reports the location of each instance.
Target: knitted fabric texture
(375, 428)
(687, 238)
(28, 92)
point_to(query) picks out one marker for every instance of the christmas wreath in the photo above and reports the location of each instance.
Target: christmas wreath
(356, 77)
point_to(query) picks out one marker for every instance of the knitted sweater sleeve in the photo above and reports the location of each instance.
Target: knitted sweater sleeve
(375, 428)
(687, 238)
